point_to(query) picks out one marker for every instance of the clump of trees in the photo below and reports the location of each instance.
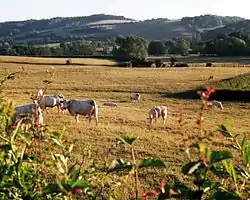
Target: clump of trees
(132, 48)
(136, 48)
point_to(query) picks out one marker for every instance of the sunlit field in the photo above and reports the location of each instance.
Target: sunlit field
(102, 81)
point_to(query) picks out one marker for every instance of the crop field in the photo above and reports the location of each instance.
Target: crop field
(101, 82)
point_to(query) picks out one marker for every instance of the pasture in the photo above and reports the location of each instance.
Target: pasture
(96, 80)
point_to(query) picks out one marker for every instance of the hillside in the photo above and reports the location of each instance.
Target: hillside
(243, 26)
(106, 26)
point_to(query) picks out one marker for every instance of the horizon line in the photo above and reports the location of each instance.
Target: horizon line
(49, 18)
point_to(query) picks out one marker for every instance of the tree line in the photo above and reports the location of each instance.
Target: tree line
(131, 47)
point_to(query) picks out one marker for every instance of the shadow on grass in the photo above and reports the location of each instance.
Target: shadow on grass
(54, 64)
(221, 95)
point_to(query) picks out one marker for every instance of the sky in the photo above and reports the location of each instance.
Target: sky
(17, 10)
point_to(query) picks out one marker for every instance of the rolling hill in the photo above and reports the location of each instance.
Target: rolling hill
(243, 26)
(103, 26)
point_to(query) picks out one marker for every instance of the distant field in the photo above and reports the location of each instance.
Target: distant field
(103, 83)
(59, 61)
(236, 61)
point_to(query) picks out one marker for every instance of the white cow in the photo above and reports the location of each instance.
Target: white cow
(156, 112)
(50, 100)
(217, 104)
(111, 104)
(82, 107)
(29, 113)
(135, 97)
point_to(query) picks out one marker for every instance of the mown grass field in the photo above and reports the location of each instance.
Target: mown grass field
(104, 83)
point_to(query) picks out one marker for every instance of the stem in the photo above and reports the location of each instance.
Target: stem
(136, 175)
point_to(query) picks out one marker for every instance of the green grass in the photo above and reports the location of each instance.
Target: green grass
(239, 82)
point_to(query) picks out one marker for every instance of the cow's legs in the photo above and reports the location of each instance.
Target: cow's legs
(164, 118)
(90, 118)
(46, 110)
(96, 120)
(77, 118)
(58, 108)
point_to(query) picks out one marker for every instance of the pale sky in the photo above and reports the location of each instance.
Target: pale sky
(17, 10)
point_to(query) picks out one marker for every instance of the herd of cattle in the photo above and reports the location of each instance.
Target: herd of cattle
(33, 112)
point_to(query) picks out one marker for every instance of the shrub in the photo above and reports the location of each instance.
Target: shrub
(181, 65)
(209, 64)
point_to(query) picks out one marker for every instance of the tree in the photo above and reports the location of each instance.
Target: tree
(131, 48)
(156, 48)
(184, 46)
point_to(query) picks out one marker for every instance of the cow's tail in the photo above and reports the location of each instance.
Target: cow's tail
(95, 111)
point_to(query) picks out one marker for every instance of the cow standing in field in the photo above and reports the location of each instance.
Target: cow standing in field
(156, 112)
(82, 107)
(50, 101)
(216, 104)
(135, 97)
(29, 114)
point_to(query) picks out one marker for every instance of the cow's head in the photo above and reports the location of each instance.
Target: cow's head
(61, 100)
(65, 104)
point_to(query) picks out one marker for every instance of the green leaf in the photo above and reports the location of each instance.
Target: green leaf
(224, 130)
(57, 142)
(125, 139)
(247, 158)
(245, 152)
(75, 176)
(119, 165)
(232, 172)
(4, 139)
(225, 195)
(5, 147)
(209, 185)
(26, 138)
(190, 167)
(80, 184)
(15, 131)
(200, 146)
(217, 156)
(151, 163)
(53, 188)
(72, 167)
(244, 144)
(57, 135)
(64, 160)
(71, 148)
(226, 166)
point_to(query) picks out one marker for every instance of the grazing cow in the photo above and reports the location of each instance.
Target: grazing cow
(50, 101)
(111, 104)
(156, 112)
(82, 107)
(135, 97)
(217, 104)
(29, 113)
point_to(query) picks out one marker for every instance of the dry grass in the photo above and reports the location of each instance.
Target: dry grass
(116, 84)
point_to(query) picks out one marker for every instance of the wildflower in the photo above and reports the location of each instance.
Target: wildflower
(76, 191)
(149, 193)
(162, 185)
(206, 94)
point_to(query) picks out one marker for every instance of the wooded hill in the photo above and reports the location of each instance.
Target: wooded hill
(102, 26)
